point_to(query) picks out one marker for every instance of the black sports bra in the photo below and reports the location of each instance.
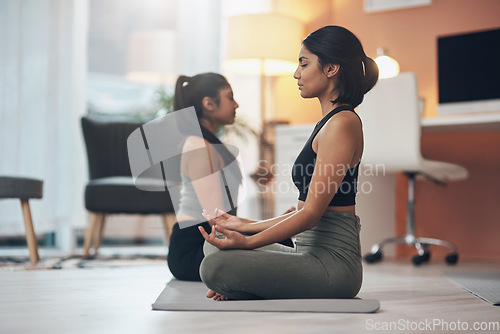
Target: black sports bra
(303, 169)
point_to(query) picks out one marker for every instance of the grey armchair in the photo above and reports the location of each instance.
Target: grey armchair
(111, 189)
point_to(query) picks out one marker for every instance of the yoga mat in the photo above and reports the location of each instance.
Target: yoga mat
(485, 285)
(190, 296)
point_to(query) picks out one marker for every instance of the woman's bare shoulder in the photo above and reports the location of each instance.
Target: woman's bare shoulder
(194, 142)
(195, 150)
(344, 124)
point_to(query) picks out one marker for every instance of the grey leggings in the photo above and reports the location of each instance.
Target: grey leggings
(325, 263)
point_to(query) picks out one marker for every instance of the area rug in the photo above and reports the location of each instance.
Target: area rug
(8, 263)
(190, 296)
(485, 285)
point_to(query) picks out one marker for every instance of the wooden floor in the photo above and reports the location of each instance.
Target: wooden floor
(118, 300)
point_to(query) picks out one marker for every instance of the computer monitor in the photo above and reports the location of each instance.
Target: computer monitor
(469, 72)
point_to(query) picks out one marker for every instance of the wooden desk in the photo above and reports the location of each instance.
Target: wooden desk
(462, 122)
(466, 212)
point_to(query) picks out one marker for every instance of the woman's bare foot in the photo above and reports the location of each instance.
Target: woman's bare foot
(215, 296)
(210, 293)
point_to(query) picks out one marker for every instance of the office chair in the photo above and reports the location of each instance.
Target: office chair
(111, 188)
(391, 123)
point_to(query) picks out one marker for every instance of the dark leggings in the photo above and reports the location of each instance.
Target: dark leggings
(185, 251)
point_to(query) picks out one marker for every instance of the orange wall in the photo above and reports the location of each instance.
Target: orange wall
(410, 34)
(466, 213)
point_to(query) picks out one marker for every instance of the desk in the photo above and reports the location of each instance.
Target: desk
(484, 121)
(465, 212)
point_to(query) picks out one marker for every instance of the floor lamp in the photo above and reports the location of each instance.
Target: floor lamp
(265, 45)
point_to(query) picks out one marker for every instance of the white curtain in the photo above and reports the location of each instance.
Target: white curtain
(198, 29)
(43, 65)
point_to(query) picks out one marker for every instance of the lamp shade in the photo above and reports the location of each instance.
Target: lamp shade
(152, 57)
(262, 44)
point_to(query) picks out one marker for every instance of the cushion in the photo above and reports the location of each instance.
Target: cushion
(20, 187)
(118, 194)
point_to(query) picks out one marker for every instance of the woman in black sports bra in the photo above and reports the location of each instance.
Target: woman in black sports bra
(326, 259)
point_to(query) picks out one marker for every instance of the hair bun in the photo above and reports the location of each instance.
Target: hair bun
(371, 73)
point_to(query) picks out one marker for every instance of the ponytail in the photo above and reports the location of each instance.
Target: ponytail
(190, 91)
(181, 99)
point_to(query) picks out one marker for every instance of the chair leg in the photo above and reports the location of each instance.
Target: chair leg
(99, 231)
(421, 244)
(168, 224)
(378, 247)
(30, 232)
(89, 235)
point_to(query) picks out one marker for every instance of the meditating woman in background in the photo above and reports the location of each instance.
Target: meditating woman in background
(326, 261)
(212, 98)
(203, 156)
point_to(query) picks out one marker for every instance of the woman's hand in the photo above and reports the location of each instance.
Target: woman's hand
(291, 209)
(225, 220)
(233, 240)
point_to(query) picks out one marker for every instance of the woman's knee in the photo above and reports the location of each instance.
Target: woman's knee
(211, 269)
(209, 248)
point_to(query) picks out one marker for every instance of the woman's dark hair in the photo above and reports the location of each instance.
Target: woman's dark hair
(358, 73)
(190, 91)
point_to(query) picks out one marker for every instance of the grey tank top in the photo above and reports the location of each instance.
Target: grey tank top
(189, 203)
(230, 180)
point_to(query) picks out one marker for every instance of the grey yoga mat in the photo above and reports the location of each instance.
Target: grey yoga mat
(190, 296)
(485, 285)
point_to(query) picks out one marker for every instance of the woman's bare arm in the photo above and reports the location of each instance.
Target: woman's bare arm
(244, 225)
(201, 162)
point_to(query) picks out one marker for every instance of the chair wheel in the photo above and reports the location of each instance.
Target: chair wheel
(419, 259)
(426, 257)
(451, 258)
(373, 257)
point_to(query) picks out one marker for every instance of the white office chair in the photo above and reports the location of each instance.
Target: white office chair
(391, 125)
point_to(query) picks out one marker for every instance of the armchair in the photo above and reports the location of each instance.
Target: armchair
(111, 189)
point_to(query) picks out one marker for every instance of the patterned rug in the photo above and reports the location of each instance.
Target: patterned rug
(9, 263)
